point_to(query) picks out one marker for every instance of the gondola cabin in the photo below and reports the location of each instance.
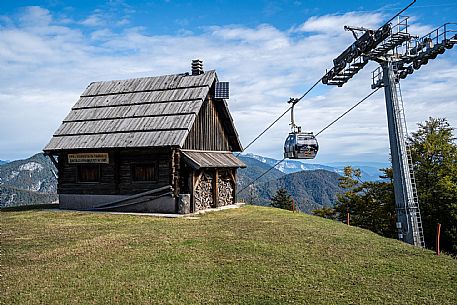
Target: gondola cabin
(154, 144)
(300, 145)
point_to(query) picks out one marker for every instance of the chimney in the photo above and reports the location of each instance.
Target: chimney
(197, 67)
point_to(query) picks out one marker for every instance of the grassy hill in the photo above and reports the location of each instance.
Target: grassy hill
(252, 255)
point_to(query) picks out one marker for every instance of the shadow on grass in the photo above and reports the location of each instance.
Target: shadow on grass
(30, 207)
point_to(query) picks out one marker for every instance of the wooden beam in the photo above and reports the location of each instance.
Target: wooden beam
(216, 188)
(198, 178)
(171, 164)
(192, 191)
(195, 181)
(177, 172)
(53, 160)
(117, 171)
(233, 175)
(194, 187)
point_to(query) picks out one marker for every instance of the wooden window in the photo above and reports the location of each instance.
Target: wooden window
(144, 172)
(89, 172)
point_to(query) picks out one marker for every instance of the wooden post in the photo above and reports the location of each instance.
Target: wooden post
(177, 172)
(193, 186)
(171, 164)
(192, 191)
(348, 218)
(232, 173)
(196, 177)
(53, 160)
(216, 188)
(117, 172)
(438, 235)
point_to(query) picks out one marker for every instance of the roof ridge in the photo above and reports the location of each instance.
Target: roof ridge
(147, 84)
(143, 91)
(184, 74)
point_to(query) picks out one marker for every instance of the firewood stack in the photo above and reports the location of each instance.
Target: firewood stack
(225, 192)
(204, 194)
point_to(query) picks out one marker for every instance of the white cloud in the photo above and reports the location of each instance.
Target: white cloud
(334, 24)
(93, 20)
(45, 64)
(102, 35)
(122, 22)
(33, 16)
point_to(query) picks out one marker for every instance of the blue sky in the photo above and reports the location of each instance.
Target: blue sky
(269, 51)
(169, 17)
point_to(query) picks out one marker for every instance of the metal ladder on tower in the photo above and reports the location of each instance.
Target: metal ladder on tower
(413, 203)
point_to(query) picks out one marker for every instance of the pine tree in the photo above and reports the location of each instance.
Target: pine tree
(282, 200)
(434, 154)
(325, 212)
(371, 205)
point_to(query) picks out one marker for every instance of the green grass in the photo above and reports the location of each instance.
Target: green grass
(251, 255)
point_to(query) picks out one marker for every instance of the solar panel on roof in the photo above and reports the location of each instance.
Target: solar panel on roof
(222, 90)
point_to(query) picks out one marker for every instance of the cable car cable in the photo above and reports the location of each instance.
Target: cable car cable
(265, 130)
(346, 112)
(309, 90)
(293, 101)
(321, 131)
(264, 173)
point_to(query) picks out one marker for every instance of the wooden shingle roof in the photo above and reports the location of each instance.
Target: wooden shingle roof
(141, 112)
(211, 159)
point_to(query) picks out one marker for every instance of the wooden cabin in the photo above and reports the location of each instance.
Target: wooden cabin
(155, 144)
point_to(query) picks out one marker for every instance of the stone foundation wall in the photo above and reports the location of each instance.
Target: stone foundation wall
(165, 204)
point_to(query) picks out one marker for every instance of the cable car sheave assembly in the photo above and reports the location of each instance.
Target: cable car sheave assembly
(399, 54)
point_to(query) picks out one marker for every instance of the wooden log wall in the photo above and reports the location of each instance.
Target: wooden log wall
(68, 179)
(175, 166)
(128, 158)
(207, 133)
(116, 178)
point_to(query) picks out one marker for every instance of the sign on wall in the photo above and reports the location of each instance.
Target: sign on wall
(88, 158)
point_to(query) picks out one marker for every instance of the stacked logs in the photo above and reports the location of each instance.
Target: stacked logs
(204, 194)
(225, 193)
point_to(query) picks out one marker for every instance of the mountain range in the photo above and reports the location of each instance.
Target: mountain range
(26, 182)
(33, 180)
(310, 189)
(370, 170)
